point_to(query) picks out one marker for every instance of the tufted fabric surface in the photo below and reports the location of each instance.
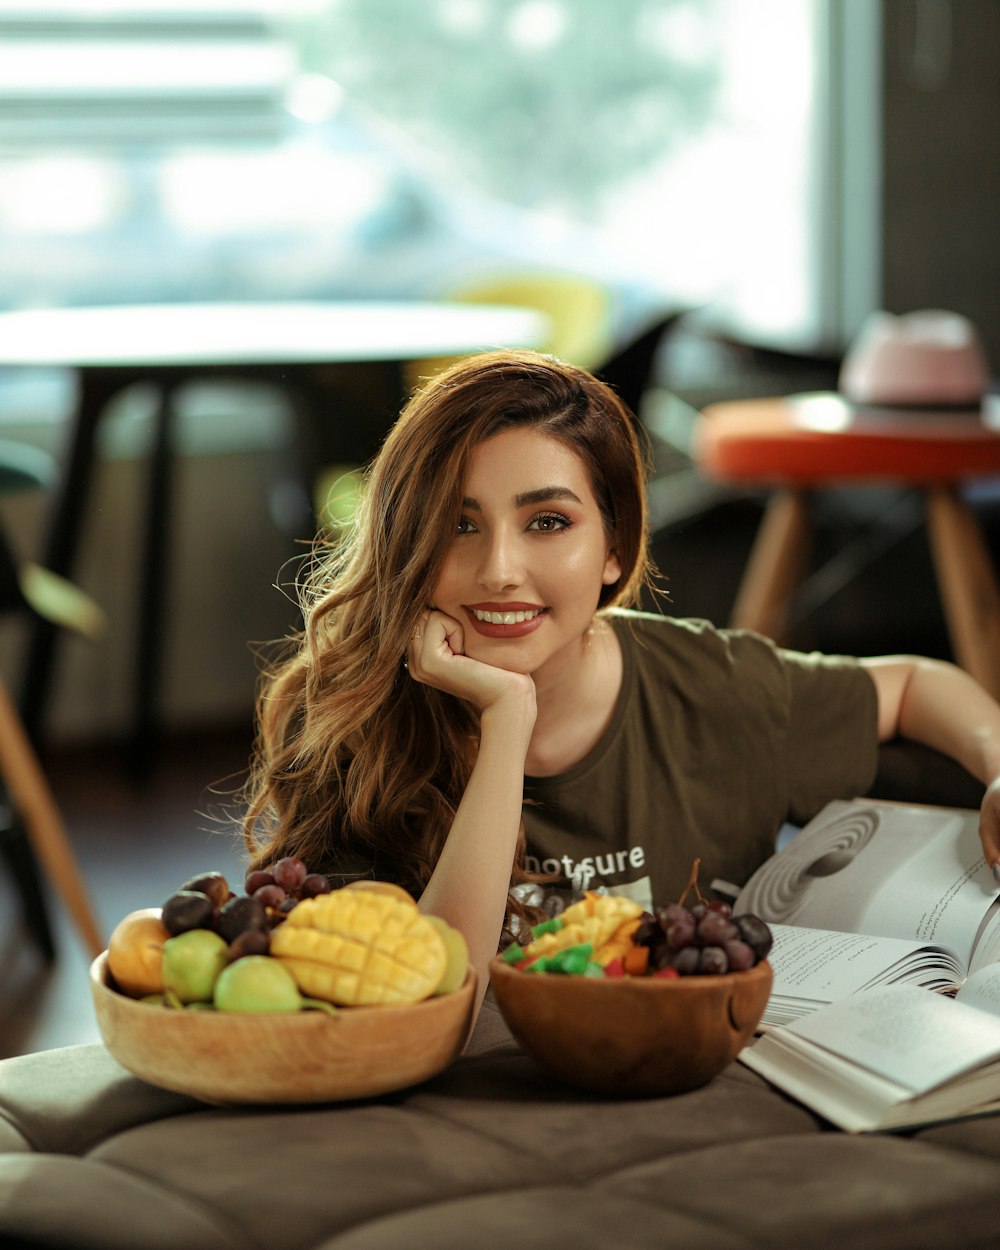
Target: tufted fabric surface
(490, 1154)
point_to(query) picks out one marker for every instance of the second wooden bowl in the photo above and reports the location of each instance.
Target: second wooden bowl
(632, 1036)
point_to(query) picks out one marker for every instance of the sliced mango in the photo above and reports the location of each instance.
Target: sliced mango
(360, 948)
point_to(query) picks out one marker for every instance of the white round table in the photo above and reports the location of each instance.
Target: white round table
(189, 337)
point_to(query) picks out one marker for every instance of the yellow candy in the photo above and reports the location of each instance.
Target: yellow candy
(619, 944)
(360, 948)
(606, 906)
(598, 919)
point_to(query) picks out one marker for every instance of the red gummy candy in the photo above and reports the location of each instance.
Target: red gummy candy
(668, 973)
(614, 968)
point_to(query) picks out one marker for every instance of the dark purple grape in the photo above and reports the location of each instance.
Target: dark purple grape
(257, 878)
(214, 884)
(270, 895)
(670, 913)
(286, 905)
(715, 930)
(712, 961)
(289, 873)
(699, 910)
(681, 933)
(249, 942)
(684, 961)
(721, 906)
(755, 933)
(187, 909)
(242, 912)
(740, 956)
(314, 884)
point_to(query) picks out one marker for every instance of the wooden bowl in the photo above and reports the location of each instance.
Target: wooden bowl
(307, 1056)
(632, 1036)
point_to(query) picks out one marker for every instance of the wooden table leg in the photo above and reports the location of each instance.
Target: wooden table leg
(776, 566)
(30, 794)
(968, 584)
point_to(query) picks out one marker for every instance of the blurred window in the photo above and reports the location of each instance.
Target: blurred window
(682, 133)
(166, 149)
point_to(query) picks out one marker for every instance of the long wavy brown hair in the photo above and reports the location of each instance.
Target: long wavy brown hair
(358, 769)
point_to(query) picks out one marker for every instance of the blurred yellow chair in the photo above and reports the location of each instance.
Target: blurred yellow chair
(579, 310)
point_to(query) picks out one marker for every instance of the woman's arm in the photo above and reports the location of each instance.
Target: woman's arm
(469, 885)
(940, 705)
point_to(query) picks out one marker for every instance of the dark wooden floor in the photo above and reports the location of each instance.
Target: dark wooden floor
(135, 844)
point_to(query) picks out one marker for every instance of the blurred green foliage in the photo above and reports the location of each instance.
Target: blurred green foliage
(543, 103)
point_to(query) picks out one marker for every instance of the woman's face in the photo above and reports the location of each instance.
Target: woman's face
(530, 554)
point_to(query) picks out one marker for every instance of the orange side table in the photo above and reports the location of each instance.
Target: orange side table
(804, 443)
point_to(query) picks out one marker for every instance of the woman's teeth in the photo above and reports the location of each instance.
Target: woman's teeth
(506, 618)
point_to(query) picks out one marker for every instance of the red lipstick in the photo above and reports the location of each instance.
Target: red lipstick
(500, 619)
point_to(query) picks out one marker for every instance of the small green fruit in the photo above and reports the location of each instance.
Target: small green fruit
(191, 963)
(257, 983)
(457, 950)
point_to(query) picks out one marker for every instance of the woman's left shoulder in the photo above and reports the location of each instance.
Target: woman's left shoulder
(694, 654)
(683, 635)
(643, 624)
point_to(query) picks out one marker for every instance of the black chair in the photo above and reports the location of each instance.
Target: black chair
(630, 367)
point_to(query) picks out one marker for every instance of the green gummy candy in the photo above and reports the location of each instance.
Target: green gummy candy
(573, 960)
(547, 926)
(513, 954)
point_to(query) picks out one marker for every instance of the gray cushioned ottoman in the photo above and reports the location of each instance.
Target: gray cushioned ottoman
(490, 1153)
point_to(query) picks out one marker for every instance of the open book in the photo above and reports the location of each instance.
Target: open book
(872, 894)
(902, 903)
(893, 1057)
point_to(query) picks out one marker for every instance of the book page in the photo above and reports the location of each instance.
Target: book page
(885, 869)
(827, 965)
(903, 1033)
(982, 989)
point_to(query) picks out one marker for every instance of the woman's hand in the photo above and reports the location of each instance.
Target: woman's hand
(436, 656)
(989, 826)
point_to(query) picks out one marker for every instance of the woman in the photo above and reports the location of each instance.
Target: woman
(471, 706)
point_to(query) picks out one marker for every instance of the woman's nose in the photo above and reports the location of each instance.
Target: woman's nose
(501, 563)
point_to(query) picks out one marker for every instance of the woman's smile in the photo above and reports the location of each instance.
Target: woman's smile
(504, 620)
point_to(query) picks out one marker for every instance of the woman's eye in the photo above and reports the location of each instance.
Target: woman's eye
(465, 526)
(549, 522)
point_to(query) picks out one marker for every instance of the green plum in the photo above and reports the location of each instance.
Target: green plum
(192, 962)
(257, 983)
(457, 950)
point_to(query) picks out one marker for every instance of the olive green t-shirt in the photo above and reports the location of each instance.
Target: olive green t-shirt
(718, 737)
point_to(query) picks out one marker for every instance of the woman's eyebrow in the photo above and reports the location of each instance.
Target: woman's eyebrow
(542, 494)
(545, 494)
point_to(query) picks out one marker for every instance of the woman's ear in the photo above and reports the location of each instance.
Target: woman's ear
(612, 569)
